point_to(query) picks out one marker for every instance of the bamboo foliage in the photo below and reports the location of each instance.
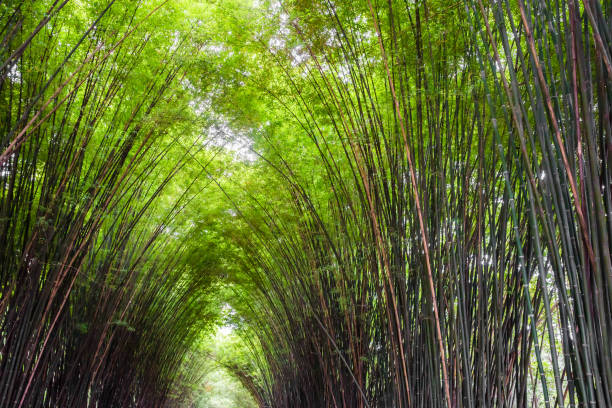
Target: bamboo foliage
(432, 228)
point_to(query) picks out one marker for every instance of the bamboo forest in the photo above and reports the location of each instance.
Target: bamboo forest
(305, 203)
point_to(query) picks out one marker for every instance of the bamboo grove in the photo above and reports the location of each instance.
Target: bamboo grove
(461, 255)
(94, 311)
(424, 219)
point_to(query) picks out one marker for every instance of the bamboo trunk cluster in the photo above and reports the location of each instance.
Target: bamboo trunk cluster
(92, 311)
(462, 256)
